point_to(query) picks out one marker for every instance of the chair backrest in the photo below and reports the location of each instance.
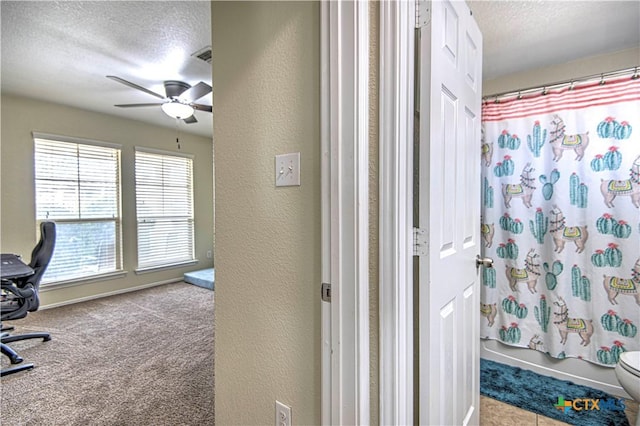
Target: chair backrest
(41, 254)
(29, 286)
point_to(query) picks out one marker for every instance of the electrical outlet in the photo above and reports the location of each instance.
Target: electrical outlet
(208, 254)
(287, 168)
(283, 414)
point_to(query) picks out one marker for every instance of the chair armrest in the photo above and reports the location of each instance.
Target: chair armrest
(23, 293)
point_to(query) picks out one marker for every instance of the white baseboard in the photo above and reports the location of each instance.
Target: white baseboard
(110, 293)
(572, 369)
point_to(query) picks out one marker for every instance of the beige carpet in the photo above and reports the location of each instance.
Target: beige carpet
(141, 358)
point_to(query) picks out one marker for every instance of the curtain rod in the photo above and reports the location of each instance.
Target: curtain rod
(602, 76)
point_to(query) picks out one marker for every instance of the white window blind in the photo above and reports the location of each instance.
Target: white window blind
(164, 204)
(78, 187)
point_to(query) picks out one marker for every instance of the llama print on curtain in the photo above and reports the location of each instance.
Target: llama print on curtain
(561, 219)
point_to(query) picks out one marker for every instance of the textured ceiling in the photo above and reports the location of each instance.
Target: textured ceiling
(61, 51)
(524, 35)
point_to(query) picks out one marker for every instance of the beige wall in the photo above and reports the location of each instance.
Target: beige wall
(561, 72)
(21, 116)
(266, 78)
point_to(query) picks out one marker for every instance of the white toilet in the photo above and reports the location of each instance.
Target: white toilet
(628, 373)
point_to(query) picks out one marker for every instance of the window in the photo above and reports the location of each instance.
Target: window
(164, 206)
(78, 187)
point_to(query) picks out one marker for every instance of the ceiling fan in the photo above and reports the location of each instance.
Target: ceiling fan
(179, 100)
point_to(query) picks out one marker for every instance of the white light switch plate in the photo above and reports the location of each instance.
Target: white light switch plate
(288, 169)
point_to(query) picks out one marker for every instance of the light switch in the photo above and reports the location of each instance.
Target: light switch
(288, 169)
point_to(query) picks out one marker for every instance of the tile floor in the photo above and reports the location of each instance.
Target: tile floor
(496, 413)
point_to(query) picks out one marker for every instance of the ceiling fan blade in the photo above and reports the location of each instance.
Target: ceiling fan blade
(201, 107)
(195, 92)
(135, 86)
(191, 119)
(138, 105)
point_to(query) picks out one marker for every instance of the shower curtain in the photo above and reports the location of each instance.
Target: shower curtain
(561, 219)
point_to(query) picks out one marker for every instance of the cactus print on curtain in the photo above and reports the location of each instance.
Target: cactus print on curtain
(561, 219)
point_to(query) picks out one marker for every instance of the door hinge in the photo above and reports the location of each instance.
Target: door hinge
(423, 13)
(326, 292)
(420, 242)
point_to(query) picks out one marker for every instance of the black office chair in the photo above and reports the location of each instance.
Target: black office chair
(21, 296)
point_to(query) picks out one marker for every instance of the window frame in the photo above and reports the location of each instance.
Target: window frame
(118, 270)
(172, 263)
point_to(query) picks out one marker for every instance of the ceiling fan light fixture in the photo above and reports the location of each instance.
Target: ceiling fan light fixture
(177, 110)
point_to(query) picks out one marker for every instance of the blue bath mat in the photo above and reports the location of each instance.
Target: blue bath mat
(559, 399)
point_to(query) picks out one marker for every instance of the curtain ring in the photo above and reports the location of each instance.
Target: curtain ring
(635, 74)
(571, 85)
(544, 91)
(602, 79)
(519, 95)
(496, 100)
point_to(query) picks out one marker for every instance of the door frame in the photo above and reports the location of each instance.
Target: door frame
(344, 39)
(344, 96)
(396, 306)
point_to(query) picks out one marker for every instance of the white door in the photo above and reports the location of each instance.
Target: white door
(450, 83)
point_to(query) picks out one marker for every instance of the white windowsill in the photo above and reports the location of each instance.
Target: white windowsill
(79, 281)
(163, 267)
